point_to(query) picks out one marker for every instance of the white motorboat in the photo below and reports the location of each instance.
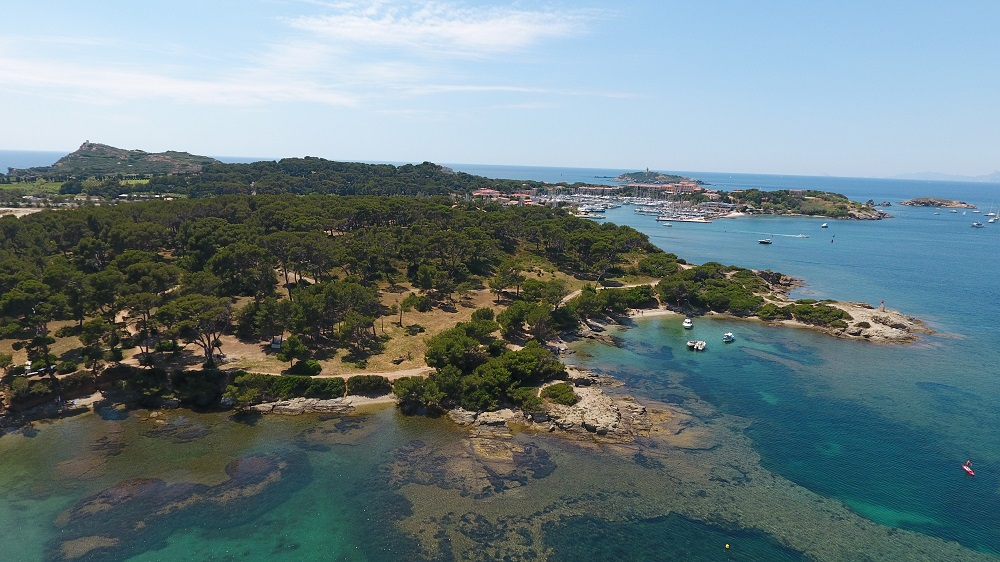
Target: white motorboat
(728, 337)
(688, 324)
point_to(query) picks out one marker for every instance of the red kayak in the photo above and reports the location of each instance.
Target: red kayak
(968, 469)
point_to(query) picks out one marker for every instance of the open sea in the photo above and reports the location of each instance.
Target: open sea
(786, 444)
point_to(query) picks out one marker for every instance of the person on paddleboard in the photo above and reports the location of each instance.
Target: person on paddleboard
(968, 464)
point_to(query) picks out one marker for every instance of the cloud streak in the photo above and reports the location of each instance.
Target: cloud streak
(347, 54)
(103, 86)
(440, 28)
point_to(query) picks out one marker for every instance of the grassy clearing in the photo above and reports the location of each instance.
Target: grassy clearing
(38, 188)
(404, 348)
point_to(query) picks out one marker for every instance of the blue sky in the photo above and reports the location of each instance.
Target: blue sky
(872, 88)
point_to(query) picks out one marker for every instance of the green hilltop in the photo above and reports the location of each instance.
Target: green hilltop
(96, 160)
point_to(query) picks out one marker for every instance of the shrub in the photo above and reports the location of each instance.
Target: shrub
(67, 367)
(417, 390)
(772, 311)
(167, 345)
(527, 398)
(371, 385)
(199, 388)
(863, 324)
(75, 382)
(19, 387)
(25, 390)
(560, 393)
(306, 368)
(820, 315)
(150, 383)
(423, 303)
(658, 265)
(253, 388)
(66, 331)
(326, 389)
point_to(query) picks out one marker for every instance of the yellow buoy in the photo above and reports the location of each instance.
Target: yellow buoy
(727, 546)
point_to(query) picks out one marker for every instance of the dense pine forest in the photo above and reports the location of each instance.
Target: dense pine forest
(149, 279)
(307, 260)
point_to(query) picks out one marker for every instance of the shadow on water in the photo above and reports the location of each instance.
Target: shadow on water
(112, 413)
(672, 537)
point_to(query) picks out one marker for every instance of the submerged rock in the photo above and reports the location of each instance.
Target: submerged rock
(135, 515)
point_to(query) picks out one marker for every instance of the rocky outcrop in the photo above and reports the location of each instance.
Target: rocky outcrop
(868, 214)
(879, 325)
(462, 417)
(597, 414)
(299, 406)
(935, 202)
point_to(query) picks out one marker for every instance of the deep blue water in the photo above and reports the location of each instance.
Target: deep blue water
(27, 159)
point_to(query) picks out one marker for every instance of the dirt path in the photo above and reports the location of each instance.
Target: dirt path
(391, 375)
(577, 292)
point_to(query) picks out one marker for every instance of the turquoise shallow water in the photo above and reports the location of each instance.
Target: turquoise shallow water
(881, 429)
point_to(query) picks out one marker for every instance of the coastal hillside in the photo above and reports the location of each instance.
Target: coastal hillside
(102, 171)
(95, 160)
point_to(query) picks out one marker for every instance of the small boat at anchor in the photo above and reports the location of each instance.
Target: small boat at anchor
(823, 225)
(697, 345)
(687, 323)
(728, 337)
(977, 225)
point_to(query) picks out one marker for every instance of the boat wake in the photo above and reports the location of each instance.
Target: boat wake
(769, 234)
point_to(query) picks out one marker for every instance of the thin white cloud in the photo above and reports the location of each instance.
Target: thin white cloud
(351, 53)
(441, 28)
(458, 88)
(109, 86)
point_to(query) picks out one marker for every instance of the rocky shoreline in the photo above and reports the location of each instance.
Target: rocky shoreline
(598, 414)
